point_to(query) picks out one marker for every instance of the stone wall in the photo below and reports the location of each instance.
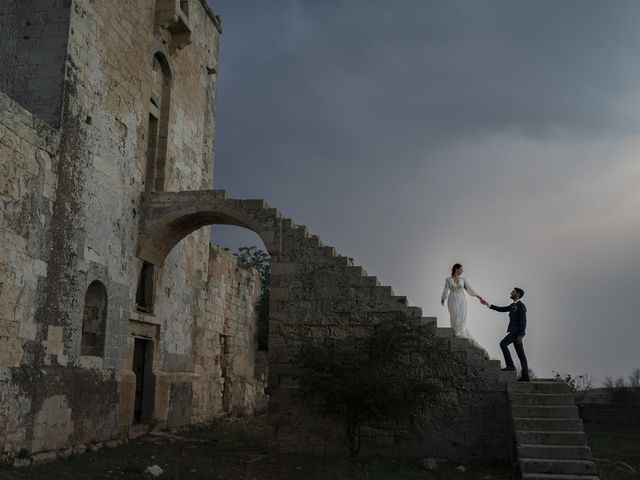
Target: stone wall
(71, 195)
(230, 337)
(33, 46)
(28, 159)
(318, 294)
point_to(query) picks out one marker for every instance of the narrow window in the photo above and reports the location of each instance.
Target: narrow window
(144, 293)
(94, 320)
(152, 152)
(184, 6)
(158, 126)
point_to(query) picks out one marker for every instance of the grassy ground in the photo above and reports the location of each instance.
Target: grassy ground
(614, 444)
(237, 452)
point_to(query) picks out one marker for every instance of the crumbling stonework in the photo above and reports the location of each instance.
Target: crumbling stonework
(102, 102)
(317, 293)
(116, 310)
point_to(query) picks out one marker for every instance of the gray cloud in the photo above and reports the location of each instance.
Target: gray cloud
(503, 134)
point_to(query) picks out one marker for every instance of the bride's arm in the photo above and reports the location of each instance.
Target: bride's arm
(470, 290)
(445, 292)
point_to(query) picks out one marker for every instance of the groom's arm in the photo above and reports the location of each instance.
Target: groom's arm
(500, 309)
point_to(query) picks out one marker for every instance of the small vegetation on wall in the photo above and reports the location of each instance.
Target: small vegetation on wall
(365, 379)
(259, 259)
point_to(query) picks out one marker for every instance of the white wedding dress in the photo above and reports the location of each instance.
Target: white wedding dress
(455, 295)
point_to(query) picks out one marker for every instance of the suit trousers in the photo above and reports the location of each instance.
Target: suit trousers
(504, 344)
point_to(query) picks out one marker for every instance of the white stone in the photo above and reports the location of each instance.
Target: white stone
(44, 457)
(429, 463)
(21, 462)
(154, 470)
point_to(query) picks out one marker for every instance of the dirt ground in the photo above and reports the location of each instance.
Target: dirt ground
(237, 451)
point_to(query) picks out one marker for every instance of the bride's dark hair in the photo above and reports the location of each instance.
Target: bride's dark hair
(454, 268)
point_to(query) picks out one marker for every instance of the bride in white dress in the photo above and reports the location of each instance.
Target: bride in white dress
(454, 294)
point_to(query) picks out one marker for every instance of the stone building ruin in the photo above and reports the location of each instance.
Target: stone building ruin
(116, 309)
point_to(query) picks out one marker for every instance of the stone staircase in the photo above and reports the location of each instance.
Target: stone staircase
(551, 443)
(318, 293)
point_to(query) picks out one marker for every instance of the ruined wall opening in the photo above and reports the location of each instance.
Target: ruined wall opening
(94, 320)
(146, 288)
(248, 247)
(145, 381)
(158, 124)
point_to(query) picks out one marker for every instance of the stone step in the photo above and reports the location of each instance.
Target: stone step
(541, 399)
(329, 251)
(256, 203)
(493, 364)
(544, 411)
(287, 223)
(300, 231)
(476, 354)
(411, 311)
(566, 452)
(446, 332)
(547, 476)
(399, 299)
(384, 290)
(369, 281)
(557, 466)
(548, 424)
(343, 261)
(497, 374)
(356, 271)
(274, 212)
(537, 386)
(459, 344)
(312, 241)
(430, 321)
(557, 437)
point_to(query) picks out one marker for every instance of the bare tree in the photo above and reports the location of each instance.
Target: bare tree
(585, 382)
(608, 382)
(578, 384)
(634, 382)
(620, 383)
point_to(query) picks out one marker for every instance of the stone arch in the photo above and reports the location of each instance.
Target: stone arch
(94, 320)
(158, 48)
(170, 216)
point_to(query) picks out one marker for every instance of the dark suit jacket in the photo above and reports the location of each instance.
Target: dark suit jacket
(517, 317)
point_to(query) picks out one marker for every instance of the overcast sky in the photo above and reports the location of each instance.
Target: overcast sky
(415, 134)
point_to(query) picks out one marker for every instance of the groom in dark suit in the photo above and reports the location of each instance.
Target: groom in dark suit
(515, 332)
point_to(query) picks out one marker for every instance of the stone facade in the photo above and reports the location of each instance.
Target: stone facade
(102, 102)
(116, 309)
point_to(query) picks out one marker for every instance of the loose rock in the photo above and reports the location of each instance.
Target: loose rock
(154, 470)
(429, 463)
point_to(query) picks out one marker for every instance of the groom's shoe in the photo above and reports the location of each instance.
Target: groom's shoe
(523, 379)
(509, 369)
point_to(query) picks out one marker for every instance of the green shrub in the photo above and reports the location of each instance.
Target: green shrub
(364, 379)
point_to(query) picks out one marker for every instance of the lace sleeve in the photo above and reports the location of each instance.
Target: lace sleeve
(469, 289)
(445, 292)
